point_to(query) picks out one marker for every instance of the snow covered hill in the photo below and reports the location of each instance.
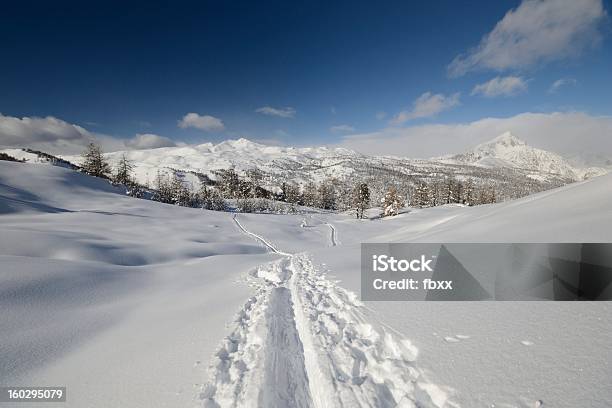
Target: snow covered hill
(507, 150)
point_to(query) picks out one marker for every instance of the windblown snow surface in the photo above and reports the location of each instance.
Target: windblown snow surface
(133, 303)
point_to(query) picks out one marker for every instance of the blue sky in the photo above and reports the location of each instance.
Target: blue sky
(299, 74)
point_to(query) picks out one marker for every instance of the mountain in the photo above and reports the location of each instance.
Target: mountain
(507, 163)
(507, 150)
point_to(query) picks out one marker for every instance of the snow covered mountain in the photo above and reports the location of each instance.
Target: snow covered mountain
(317, 163)
(507, 150)
(311, 163)
(514, 168)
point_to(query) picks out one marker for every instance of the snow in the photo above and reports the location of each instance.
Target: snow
(134, 303)
(281, 163)
(242, 154)
(507, 150)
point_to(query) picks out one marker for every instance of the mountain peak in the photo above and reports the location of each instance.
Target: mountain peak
(506, 139)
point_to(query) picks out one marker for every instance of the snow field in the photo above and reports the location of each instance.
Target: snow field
(302, 341)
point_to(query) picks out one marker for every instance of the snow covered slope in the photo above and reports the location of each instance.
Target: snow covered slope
(126, 302)
(503, 354)
(507, 150)
(121, 300)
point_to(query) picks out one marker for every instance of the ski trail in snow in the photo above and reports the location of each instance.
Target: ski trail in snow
(333, 237)
(286, 380)
(303, 341)
(333, 234)
(351, 361)
(259, 238)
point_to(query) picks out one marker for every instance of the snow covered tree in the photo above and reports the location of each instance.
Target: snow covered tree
(309, 195)
(422, 196)
(211, 199)
(468, 196)
(94, 162)
(449, 191)
(123, 173)
(181, 195)
(487, 195)
(392, 202)
(326, 196)
(163, 192)
(292, 193)
(437, 193)
(361, 199)
(229, 183)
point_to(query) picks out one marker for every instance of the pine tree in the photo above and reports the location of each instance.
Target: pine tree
(326, 196)
(292, 193)
(179, 192)
(229, 183)
(449, 190)
(422, 196)
(469, 197)
(123, 173)
(94, 162)
(211, 199)
(163, 188)
(309, 195)
(361, 199)
(392, 202)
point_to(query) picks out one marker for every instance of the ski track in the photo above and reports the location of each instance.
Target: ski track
(303, 341)
(333, 240)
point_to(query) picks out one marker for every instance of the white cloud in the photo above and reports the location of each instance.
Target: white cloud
(287, 112)
(342, 128)
(427, 105)
(149, 141)
(536, 32)
(206, 123)
(501, 86)
(47, 133)
(563, 132)
(56, 136)
(554, 87)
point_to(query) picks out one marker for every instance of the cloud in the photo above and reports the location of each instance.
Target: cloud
(554, 87)
(149, 141)
(56, 136)
(342, 129)
(536, 32)
(47, 133)
(562, 132)
(287, 112)
(206, 123)
(381, 115)
(501, 86)
(427, 105)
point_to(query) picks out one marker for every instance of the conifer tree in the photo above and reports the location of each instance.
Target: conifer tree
(422, 196)
(361, 199)
(392, 202)
(94, 162)
(469, 197)
(309, 195)
(123, 173)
